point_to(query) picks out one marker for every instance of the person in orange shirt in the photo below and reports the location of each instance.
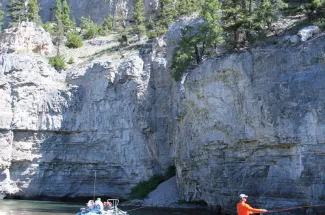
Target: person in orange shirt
(245, 209)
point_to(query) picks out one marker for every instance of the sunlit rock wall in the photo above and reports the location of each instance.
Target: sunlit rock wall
(60, 130)
(253, 122)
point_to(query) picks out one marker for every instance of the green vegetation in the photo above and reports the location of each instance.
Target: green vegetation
(59, 30)
(1, 18)
(16, 10)
(197, 43)
(107, 26)
(71, 60)
(32, 12)
(90, 28)
(141, 190)
(243, 21)
(57, 62)
(67, 23)
(166, 15)
(49, 27)
(138, 19)
(123, 40)
(187, 7)
(74, 40)
(314, 9)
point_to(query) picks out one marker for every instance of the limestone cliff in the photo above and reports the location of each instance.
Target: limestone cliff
(59, 128)
(248, 122)
(253, 122)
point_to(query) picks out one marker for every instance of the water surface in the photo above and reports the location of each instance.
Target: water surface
(22, 207)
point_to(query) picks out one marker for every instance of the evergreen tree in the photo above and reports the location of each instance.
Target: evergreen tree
(90, 28)
(168, 12)
(32, 11)
(59, 25)
(187, 7)
(243, 21)
(166, 15)
(138, 18)
(66, 21)
(233, 18)
(1, 18)
(266, 13)
(196, 43)
(58, 11)
(211, 29)
(314, 9)
(17, 11)
(107, 25)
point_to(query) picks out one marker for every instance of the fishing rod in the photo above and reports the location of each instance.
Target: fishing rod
(135, 209)
(293, 208)
(94, 186)
(277, 210)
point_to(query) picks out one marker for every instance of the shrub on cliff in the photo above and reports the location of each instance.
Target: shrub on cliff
(49, 27)
(74, 40)
(107, 26)
(71, 61)
(90, 28)
(141, 190)
(57, 62)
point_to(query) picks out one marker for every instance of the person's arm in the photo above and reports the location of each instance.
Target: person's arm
(254, 210)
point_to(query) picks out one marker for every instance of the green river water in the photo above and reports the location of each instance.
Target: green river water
(22, 207)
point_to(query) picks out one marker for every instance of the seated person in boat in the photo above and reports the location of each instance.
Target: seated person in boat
(98, 206)
(107, 205)
(90, 205)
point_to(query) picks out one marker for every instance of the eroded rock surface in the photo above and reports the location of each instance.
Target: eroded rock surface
(249, 122)
(253, 122)
(28, 37)
(59, 129)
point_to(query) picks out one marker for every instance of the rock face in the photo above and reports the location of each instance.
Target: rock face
(253, 122)
(249, 122)
(59, 131)
(27, 37)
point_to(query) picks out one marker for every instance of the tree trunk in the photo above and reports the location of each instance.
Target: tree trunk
(197, 55)
(250, 6)
(243, 4)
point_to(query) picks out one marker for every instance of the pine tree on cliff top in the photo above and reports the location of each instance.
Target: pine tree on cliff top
(59, 24)
(17, 11)
(32, 11)
(138, 17)
(211, 28)
(1, 18)
(198, 42)
(166, 16)
(65, 17)
(187, 7)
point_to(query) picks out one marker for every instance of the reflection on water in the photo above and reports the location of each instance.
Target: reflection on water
(20, 207)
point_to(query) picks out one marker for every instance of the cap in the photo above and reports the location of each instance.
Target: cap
(243, 196)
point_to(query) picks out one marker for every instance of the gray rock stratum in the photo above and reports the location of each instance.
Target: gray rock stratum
(57, 129)
(253, 122)
(249, 122)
